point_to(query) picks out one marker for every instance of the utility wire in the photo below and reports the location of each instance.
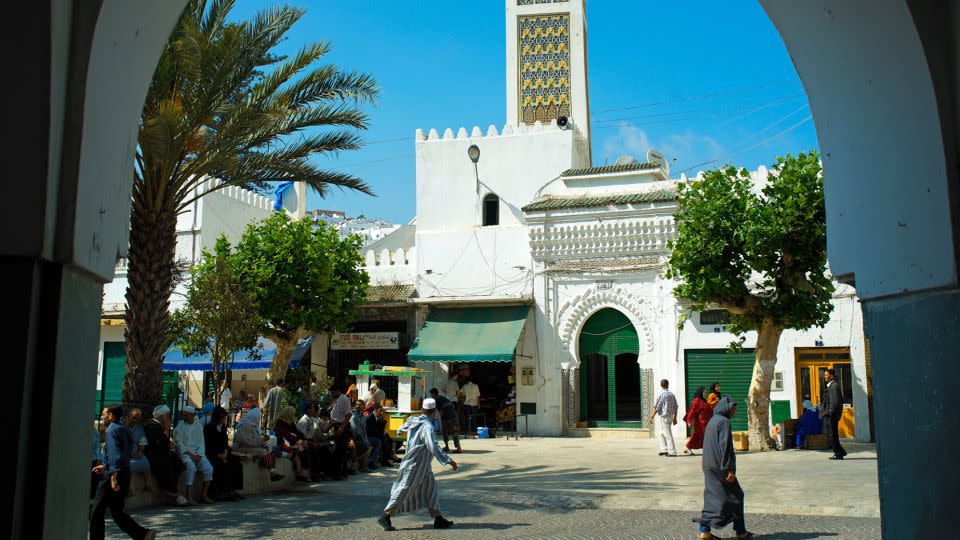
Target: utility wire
(764, 141)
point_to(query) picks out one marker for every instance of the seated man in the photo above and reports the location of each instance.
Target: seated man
(360, 444)
(188, 436)
(448, 420)
(381, 445)
(323, 438)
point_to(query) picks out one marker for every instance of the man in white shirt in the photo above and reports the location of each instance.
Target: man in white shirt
(471, 400)
(451, 388)
(340, 415)
(665, 414)
(226, 396)
(308, 422)
(188, 436)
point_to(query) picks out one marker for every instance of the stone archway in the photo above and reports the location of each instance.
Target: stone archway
(575, 313)
(609, 379)
(882, 82)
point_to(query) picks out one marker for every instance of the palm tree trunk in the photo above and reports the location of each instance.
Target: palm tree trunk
(758, 399)
(153, 239)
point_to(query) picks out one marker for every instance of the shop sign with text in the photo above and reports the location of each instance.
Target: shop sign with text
(361, 341)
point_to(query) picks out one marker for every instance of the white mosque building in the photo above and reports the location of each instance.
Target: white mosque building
(540, 275)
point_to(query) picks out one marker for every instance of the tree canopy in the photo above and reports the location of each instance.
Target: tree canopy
(758, 251)
(760, 254)
(220, 316)
(304, 277)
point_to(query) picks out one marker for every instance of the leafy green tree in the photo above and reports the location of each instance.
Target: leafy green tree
(223, 106)
(761, 256)
(220, 317)
(305, 279)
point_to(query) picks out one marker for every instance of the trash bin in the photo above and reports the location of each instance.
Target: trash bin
(483, 432)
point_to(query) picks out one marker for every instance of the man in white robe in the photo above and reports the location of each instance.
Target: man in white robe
(415, 486)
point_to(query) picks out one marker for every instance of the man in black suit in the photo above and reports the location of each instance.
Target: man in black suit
(831, 408)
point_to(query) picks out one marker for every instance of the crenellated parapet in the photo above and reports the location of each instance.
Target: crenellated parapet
(508, 130)
(236, 193)
(386, 257)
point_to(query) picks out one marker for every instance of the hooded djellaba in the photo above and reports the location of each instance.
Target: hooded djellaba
(722, 500)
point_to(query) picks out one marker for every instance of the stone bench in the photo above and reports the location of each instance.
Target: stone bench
(255, 480)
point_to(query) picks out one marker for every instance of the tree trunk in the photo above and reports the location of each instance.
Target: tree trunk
(758, 400)
(281, 360)
(153, 239)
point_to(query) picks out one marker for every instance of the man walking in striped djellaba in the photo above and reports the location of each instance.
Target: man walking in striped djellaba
(415, 486)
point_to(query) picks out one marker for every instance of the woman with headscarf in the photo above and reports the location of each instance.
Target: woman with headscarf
(249, 439)
(722, 494)
(697, 417)
(375, 395)
(164, 463)
(227, 469)
(138, 459)
(290, 440)
(714, 395)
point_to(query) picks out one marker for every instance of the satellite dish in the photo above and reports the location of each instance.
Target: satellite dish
(626, 160)
(655, 156)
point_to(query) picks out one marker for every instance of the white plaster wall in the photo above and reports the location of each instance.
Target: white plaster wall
(227, 212)
(845, 329)
(626, 182)
(389, 268)
(107, 333)
(455, 255)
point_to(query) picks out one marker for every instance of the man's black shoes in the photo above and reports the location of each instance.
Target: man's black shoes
(837, 457)
(440, 523)
(384, 522)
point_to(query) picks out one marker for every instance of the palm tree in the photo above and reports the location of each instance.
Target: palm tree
(221, 105)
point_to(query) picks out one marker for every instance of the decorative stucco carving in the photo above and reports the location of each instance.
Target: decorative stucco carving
(576, 312)
(640, 236)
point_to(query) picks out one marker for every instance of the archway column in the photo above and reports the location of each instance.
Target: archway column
(86, 70)
(882, 81)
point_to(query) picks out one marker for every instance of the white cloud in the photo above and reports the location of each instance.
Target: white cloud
(687, 147)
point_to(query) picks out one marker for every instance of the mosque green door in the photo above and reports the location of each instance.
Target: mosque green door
(609, 374)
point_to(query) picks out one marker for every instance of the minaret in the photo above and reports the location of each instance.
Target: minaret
(547, 62)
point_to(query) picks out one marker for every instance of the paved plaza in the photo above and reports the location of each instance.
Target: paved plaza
(561, 488)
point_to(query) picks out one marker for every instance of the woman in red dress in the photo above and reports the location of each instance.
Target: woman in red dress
(697, 416)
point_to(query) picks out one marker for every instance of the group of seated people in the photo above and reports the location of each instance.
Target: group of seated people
(336, 443)
(323, 444)
(161, 454)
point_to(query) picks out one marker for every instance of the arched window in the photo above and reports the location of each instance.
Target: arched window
(491, 210)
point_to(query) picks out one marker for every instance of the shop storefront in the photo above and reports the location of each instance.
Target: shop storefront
(479, 345)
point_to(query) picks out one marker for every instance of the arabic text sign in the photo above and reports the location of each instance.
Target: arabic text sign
(359, 341)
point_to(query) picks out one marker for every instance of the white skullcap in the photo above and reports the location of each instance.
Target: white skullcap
(188, 409)
(429, 404)
(160, 410)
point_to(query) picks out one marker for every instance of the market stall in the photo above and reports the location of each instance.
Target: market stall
(479, 345)
(402, 403)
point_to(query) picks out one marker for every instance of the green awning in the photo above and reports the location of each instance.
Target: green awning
(469, 334)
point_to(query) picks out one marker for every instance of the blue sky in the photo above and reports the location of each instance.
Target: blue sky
(699, 80)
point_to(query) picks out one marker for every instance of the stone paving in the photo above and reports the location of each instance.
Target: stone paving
(561, 488)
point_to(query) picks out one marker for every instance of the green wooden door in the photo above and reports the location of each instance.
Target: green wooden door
(114, 369)
(606, 337)
(732, 371)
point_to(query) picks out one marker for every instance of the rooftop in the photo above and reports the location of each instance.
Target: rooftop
(390, 293)
(589, 171)
(563, 202)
